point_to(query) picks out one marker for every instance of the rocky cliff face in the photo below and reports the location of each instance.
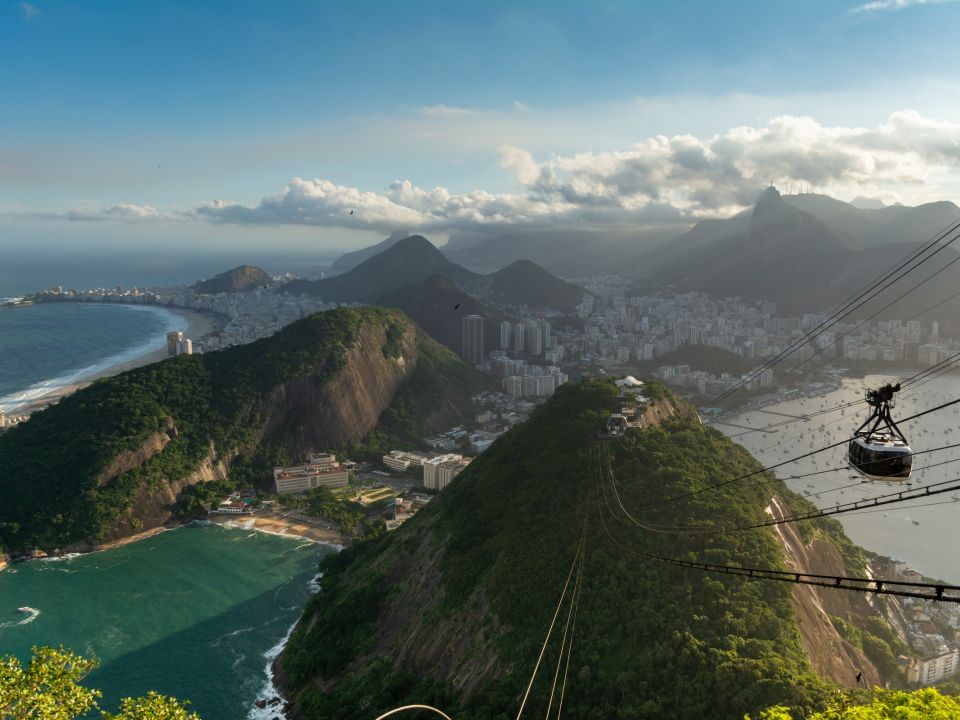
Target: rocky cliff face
(152, 506)
(313, 412)
(334, 413)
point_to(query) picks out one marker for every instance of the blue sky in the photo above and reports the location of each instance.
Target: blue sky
(171, 106)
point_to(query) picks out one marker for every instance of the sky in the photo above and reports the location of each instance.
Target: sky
(312, 127)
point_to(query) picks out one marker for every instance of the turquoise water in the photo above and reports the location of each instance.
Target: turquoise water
(46, 346)
(189, 612)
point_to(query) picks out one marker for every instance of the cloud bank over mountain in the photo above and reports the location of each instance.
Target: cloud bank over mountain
(680, 178)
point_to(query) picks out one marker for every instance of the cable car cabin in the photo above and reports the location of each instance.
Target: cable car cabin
(880, 452)
(881, 457)
(616, 425)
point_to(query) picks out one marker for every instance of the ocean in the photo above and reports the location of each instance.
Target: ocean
(924, 532)
(194, 612)
(51, 345)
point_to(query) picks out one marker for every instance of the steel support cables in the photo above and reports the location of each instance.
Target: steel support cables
(926, 591)
(746, 476)
(553, 621)
(840, 508)
(568, 627)
(855, 302)
(890, 304)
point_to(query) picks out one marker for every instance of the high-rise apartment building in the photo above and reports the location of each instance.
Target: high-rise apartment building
(473, 339)
(506, 330)
(173, 337)
(518, 338)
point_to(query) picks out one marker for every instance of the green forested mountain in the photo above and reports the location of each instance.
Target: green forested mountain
(452, 608)
(238, 279)
(110, 459)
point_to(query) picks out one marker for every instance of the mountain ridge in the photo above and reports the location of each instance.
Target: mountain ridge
(127, 445)
(242, 278)
(451, 608)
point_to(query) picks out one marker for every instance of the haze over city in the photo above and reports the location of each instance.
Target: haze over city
(201, 125)
(479, 360)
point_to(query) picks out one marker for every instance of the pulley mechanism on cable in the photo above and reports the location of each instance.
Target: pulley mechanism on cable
(878, 450)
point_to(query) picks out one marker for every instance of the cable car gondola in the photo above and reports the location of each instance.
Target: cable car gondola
(880, 452)
(616, 425)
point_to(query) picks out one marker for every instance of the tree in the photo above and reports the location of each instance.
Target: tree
(49, 689)
(926, 704)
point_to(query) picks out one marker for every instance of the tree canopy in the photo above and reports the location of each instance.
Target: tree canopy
(49, 688)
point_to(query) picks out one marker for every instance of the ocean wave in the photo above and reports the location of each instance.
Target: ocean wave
(234, 633)
(33, 615)
(270, 689)
(11, 402)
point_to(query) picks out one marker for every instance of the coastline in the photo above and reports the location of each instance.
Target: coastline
(197, 323)
(270, 523)
(275, 523)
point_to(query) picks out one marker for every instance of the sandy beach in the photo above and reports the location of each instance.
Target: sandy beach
(198, 325)
(279, 524)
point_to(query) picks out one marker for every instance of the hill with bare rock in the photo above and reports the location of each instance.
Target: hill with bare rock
(452, 608)
(119, 452)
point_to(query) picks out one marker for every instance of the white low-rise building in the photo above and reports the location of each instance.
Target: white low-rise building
(322, 470)
(935, 666)
(439, 471)
(401, 461)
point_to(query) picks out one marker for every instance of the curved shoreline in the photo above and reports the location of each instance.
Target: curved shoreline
(191, 322)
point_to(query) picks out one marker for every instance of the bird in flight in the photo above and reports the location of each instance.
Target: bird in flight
(456, 306)
(351, 212)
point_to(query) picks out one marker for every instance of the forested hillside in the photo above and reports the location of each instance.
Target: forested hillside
(453, 607)
(110, 459)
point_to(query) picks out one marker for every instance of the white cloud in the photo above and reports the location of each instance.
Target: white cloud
(892, 5)
(122, 212)
(446, 111)
(660, 179)
(29, 11)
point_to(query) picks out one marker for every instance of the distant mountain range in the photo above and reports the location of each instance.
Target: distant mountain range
(239, 279)
(406, 262)
(806, 260)
(569, 253)
(414, 275)
(804, 252)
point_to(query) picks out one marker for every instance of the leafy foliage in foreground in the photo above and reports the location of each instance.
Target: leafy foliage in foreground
(49, 688)
(926, 704)
(651, 640)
